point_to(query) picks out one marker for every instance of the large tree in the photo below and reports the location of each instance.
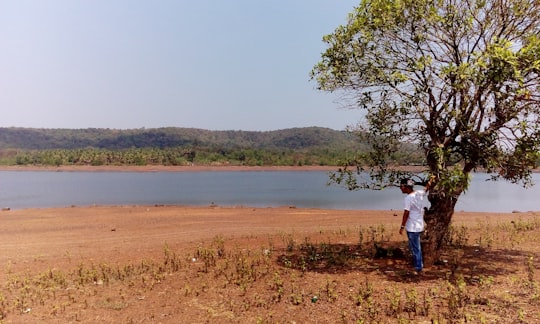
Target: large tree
(459, 78)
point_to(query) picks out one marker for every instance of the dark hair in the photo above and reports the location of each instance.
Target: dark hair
(407, 182)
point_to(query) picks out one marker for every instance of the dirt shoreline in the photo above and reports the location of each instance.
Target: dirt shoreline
(130, 232)
(62, 248)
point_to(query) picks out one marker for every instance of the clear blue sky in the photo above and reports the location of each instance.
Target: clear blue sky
(212, 64)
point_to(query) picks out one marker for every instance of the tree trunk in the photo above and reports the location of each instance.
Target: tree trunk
(437, 219)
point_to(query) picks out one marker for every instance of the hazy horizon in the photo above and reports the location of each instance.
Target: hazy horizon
(161, 127)
(205, 64)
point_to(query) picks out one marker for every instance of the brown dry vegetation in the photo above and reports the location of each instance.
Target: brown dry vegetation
(166, 264)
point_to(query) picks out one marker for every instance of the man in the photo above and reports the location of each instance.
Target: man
(413, 220)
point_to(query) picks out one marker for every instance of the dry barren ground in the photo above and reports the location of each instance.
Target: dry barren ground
(175, 264)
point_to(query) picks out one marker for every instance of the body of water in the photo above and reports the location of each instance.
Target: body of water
(303, 189)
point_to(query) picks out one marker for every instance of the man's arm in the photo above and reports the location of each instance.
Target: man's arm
(404, 221)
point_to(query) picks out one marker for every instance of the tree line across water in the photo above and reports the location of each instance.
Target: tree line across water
(183, 146)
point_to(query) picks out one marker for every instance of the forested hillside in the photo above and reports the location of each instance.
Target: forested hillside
(175, 146)
(111, 139)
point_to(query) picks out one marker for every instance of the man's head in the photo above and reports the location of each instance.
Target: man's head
(406, 185)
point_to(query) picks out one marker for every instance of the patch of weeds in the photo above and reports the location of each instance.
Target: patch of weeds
(207, 256)
(278, 287)
(219, 244)
(378, 234)
(394, 302)
(457, 298)
(530, 270)
(172, 262)
(114, 305)
(310, 251)
(457, 237)
(365, 292)
(296, 297)
(245, 270)
(360, 237)
(531, 283)
(288, 241)
(3, 307)
(485, 282)
(521, 225)
(340, 257)
(411, 301)
(330, 290)
(427, 302)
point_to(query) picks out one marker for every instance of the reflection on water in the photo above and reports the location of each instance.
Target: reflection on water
(303, 189)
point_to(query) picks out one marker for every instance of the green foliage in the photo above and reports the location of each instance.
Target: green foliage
(176, 146)
(459, 79)
(172, 137)
(173, 157)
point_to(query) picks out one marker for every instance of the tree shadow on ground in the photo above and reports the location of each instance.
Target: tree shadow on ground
(393, 260)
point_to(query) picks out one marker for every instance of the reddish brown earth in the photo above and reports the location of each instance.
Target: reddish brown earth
(45, 241)
(129, 233)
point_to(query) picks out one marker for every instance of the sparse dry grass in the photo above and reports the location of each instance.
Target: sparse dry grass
(488, 274)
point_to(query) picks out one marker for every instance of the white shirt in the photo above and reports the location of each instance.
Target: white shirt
(414, 204)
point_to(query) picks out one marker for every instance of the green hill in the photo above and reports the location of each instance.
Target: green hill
(175, 146)
(294, 138)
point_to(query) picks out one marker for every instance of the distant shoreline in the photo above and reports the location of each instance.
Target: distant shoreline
(186, 168)
(163, 168)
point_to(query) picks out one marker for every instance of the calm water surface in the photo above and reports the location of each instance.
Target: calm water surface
(303, 189)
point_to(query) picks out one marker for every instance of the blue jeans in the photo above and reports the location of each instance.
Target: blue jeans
(416, 249)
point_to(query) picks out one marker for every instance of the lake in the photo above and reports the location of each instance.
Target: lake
(303, 189)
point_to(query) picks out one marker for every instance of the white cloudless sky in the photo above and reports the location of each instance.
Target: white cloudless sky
(212, 64)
